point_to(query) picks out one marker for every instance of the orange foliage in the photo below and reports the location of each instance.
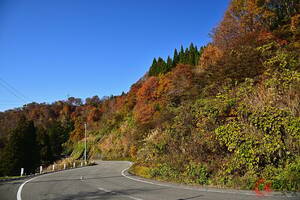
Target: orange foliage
(147, 91)
(182, 80)
(94, 115)
(120, 102)
(295, 25)
(210, 56)
(165, 83)
(240, 20)
(143, 113)
(175, 83)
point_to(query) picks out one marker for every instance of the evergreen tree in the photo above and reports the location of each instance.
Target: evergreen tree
(153, 68)
(57, 136)
(188, 56)
(46, 155)
(169, 64)
(192, 54)
(175, 58)
(22, 149)
(181, 55)
(161, 66)
(197, 53)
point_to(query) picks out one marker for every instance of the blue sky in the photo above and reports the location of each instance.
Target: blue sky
(50, 49)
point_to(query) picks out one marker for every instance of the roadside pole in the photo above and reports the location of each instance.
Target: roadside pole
(85, 143)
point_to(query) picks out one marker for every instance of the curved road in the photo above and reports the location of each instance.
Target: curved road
(110, 180)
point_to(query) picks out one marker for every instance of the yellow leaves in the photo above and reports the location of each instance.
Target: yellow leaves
(295, 24)
(133, 151)
(210, 56)
(165, 84)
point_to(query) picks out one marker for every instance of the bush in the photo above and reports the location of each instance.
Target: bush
(289, 177)
(164, 171)
(197, 173)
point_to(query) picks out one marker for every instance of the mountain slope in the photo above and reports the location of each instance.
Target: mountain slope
(225, 114)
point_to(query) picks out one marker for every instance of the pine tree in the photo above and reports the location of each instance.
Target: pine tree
(181, 55)
(169, 64)
(192, 54)
(46, 155)
(175, 58)
(22, 149)
(185, 56)
(161, 66)
(196, 58)
(152, 70)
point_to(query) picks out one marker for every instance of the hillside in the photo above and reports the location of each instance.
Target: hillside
(226, 114)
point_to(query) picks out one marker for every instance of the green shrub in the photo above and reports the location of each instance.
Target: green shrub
(164, 171)
(198, 173)
(289, 177)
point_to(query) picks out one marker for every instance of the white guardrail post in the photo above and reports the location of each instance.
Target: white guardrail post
(22, 171)
(41, 169)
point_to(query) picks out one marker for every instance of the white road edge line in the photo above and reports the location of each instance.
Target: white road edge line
(124, 195)
(47, 174)
(21, 187)
(135, 179)
(186, 188)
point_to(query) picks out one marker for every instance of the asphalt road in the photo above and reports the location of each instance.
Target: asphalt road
(110, 180)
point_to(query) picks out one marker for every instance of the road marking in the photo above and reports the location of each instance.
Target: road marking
(21, 187)
(187, 188)
(135, 179)
(105, 190)
(120, 194)
(43, 175)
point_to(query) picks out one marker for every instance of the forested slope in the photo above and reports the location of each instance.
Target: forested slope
(224, 114)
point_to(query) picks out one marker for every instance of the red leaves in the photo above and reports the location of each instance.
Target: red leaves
(157, 91)
(147, 91)
(143, 110)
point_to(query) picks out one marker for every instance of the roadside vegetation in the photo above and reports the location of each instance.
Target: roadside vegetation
(227, 114)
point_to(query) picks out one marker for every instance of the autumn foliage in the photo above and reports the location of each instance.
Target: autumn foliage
(224, 114)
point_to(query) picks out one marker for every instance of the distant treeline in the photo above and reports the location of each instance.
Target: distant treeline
(28, 146)
(189, 56)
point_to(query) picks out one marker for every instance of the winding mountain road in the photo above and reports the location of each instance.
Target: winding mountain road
(110, 180)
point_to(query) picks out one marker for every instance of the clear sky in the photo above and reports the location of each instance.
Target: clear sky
(51, 49)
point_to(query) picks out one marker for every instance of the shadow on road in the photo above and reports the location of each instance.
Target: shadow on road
(15, 182)
(190, 197)
(114, 194)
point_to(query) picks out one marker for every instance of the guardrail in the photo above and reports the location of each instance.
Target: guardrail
(50, 169)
